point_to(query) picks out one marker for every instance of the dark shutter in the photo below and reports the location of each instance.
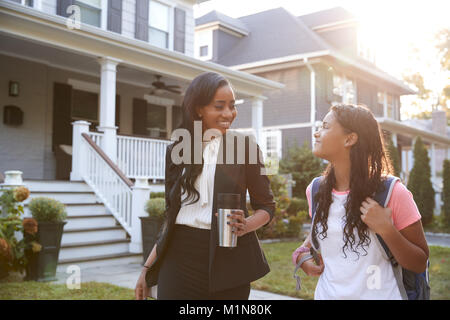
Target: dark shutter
(140, 117)
(118, 113)
(61, 7)
(142, 7)
(115, 16)
(62, 108)
(179, 30)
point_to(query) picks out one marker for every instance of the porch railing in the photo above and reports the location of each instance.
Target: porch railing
(141, 157)
(108, 183)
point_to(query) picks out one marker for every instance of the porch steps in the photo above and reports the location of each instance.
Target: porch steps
(92, 237)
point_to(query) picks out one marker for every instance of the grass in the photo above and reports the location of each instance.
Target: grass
(280, 279)
(32, 290)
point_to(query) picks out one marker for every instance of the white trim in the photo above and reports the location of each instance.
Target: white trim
(334, 25)
(217, 24)
(312, 85)
(283, 126)
(295, 57)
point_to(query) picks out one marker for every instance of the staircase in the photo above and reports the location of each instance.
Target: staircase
(92, 237)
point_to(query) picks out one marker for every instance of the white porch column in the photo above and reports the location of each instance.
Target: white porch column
(312, 82)
(257, 118)
(108, 106)
(78, 150)
(141, 193)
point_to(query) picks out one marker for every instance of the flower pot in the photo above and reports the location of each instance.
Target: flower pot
(42, 265)
(150, 228)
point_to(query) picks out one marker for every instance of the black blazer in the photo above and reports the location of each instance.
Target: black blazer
(229, 268)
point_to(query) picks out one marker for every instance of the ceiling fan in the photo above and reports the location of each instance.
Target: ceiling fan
(160, 85)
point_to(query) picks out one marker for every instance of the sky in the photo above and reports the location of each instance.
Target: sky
(392, 27)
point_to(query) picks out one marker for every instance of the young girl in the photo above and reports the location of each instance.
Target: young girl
(352, 261)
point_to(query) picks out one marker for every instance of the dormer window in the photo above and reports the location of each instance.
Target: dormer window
(203, 51)
(203, 44)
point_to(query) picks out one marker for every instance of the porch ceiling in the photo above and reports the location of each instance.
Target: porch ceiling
(61, 45)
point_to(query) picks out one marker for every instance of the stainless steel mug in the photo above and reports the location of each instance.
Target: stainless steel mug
(226, 203)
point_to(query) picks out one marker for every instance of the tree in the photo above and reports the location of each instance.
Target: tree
(446, 192)
(394, 156)
(303, 165)
(419, 182)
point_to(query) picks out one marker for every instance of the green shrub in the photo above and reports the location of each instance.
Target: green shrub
(294, 228)
(446, 193)
(297, 205)
(419, 182)
(47, 210)
(156, 207)
(154, 195)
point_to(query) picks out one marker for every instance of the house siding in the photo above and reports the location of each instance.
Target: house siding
(294, 137)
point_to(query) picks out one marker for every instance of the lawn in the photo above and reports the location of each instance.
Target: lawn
(280, 279)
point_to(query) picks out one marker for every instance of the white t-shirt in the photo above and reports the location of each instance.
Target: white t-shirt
(371, 276)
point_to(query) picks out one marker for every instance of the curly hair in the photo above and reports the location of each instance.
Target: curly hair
(369, 164)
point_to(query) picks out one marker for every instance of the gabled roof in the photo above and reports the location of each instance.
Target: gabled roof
(266, 42)
(215, 16)
(276, 34)
(326, 17)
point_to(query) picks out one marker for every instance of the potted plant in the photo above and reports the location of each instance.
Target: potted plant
(12, 245)
(150, 225)
(50, 215)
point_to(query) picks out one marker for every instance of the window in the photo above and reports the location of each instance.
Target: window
(344, 89)
(203, 51)
(272, 141)
(159, 24)
(391, 106)
(90, 11)
(203, 44)
(28, 3)
(156, 121)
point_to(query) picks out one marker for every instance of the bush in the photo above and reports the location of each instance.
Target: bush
(419, 182)
(297, 205)
(47, 210)
(156, 207)
(304, 167)
(446, 193)
(154, 195)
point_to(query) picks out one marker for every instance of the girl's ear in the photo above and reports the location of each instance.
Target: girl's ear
(351, 139)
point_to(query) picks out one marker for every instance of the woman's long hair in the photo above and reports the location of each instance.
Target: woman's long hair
(199, 94)
(369, 164)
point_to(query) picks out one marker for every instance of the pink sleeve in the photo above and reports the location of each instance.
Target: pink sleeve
(308, 197)
(404, 209)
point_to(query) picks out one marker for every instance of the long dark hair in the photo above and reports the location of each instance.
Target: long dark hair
(200, 93)
(369, 164)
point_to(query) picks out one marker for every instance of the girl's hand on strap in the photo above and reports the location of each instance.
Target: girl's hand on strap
(310, 268)
(377, 218)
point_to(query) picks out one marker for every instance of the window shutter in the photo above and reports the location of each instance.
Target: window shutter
(61, 7)
(142, 7)
(62, 117)
(179, 30)
(115, 16)
(140, 117)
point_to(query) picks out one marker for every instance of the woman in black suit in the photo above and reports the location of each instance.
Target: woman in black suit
(186, 261)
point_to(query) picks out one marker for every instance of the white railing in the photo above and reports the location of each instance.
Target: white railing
(112, 190)
(141, 157)
(96, 137)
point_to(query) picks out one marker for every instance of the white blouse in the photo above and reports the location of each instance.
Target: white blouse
(198, 214)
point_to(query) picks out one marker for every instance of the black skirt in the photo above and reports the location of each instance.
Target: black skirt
(184, 272)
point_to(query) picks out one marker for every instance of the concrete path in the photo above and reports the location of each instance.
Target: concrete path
(127, 275)
(438, 239)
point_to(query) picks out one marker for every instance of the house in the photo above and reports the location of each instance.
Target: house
(322, 60)
(92, 91)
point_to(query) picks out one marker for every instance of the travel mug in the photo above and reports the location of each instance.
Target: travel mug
(226, 203)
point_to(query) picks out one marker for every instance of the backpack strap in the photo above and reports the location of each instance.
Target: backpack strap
(314, 189)
(383, 197)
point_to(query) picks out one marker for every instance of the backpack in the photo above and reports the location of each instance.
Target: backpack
(413, 286)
